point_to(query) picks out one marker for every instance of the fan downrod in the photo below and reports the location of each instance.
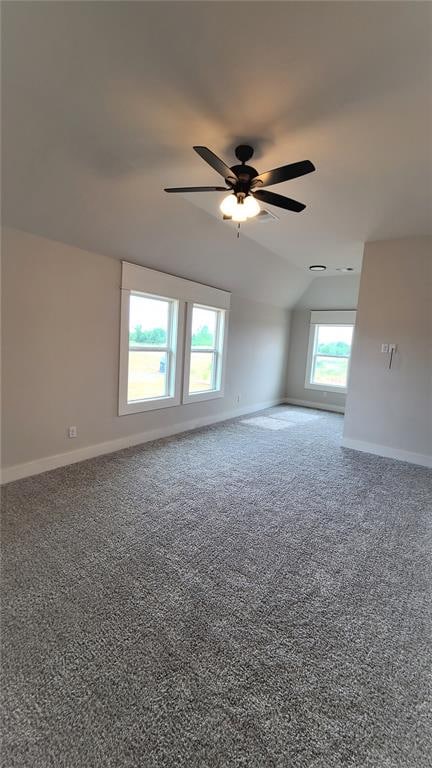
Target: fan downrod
(244, 152)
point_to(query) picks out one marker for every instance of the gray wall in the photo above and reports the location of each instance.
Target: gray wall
(393, 408)
(340, 292)
(60, 328)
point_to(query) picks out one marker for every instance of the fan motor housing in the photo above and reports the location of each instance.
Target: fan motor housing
(245, 174)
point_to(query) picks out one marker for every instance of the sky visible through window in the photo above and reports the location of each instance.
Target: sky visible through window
(203, 327)
(148, 313)
(329, 334)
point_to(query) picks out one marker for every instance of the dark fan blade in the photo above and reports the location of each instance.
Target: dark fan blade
(285, 173)
(279, 200)
(216, 163)
(198, 189)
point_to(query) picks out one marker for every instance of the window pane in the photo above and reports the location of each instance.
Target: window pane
(201, 377)
(334, 339)
(148, 321)
(204, 324)
(148, 375)
(330, 370)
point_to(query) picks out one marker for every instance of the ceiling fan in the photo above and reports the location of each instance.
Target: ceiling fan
(244, 184)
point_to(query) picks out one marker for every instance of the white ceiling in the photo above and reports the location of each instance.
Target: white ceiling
(104, 101)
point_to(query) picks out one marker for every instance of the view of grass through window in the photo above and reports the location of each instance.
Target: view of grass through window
(148, 328)
(203, 350)
(149, 357)
(331, 355)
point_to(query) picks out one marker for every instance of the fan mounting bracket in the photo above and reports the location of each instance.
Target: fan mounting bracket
(244, 152)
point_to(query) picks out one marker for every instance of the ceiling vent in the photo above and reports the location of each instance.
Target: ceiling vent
(265, 217)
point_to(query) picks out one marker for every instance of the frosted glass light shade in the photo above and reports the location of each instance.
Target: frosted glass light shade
(228, 204)
(239, 213)
(251, 207)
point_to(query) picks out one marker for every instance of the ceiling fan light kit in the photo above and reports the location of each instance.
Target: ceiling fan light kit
(239, 208)
(245, 184)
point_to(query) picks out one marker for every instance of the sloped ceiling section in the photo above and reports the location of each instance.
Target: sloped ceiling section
(331, 293)
(102, 103)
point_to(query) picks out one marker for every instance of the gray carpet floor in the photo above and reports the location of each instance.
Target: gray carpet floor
(249, 594)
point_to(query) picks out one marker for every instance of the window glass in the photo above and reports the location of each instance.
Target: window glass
(330, 370)
(148, 375)
(202, 371)
(149, 348)
(148, 322)
(331, 353)
(206, 342)
(334, 340)
(163, 320)
(204, 327)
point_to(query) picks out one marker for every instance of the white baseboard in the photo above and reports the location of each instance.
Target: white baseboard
(319, 406)
(389, 453)
(18, 471)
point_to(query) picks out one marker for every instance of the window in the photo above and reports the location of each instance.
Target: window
(151, 347)
(204, 359)
(148, 352)
(155, 362)
(329, 351)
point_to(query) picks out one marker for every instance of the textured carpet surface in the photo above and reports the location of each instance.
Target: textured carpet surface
(246, 595)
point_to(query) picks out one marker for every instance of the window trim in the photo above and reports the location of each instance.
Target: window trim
(137, 279)
(334, 319)
(219, 350)
(174, 349)
(145, 280)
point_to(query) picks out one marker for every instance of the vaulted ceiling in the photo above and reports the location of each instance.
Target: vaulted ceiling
(103, 101)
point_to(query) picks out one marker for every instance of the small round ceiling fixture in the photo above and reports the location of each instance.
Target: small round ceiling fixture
(317, 268)
(344, 269)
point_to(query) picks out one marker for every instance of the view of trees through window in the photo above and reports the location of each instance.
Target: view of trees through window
(158, 336)
(155, 336)
(203, 355)
(331, 355)
(202, 337)
(334, 348)
(149, 320)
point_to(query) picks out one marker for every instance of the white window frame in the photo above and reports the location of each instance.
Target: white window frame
(183, 294)
(334, 319)
(219, 350)
(172, 350)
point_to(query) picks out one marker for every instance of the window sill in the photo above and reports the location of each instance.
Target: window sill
(326, 388)
(199, 397)
(140, 406)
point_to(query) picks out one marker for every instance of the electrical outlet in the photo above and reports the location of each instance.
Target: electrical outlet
(384, 347)
(72, 432)
(392, 347)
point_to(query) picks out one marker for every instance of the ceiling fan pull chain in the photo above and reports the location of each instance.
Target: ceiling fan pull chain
(238, 230)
